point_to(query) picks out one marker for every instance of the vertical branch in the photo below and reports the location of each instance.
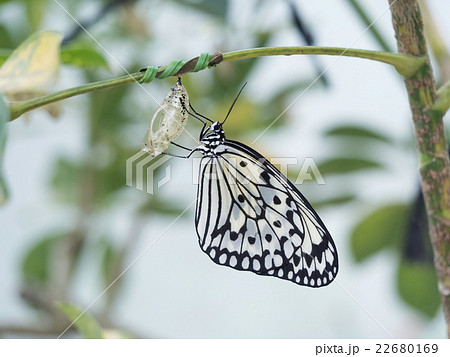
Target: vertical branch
(430, 140)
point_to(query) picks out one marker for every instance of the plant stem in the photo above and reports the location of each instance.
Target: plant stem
(404, 64)
(19, 108)
(430, 140)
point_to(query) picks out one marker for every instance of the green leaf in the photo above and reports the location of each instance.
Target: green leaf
(164, 207)
(347, 165)
(82, 56)
(86, 324)
(98, 178)
(4, 54)
(3, 191)
(212, 7)
(111, 266)
(4, 118)
(357, 132)
(66, 180)
(109, 261)
(417, 285)
(5, 37)
(334, 201)
(296, 87)
(108, 112)
(242, 70)
(36, 265)
(33, 64)
(382, 228)
(229, 81)
(116, 334)
(35, 10)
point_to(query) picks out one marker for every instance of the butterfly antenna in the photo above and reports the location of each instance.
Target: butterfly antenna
(234, 102)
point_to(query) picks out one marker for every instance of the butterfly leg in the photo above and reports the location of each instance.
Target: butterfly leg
(180, 146)
(181, 156)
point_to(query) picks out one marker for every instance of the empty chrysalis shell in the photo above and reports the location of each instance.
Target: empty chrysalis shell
(168, 122)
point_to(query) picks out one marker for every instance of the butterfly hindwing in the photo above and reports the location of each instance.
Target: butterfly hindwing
(250, 217)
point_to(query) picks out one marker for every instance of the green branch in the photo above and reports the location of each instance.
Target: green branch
(19, 108)
(405, 65)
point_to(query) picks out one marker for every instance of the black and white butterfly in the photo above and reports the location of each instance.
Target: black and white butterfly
(249, 216)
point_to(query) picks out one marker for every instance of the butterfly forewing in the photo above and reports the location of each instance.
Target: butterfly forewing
(250, 217)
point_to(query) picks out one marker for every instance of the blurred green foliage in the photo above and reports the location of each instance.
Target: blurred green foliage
(85, 323)
(356, 132)
(342, 165)
(4, 118)
(384, 228)
(388, 227)
(91, 185)
(83, 55)
(416, 283)
(37, 263)
(338, 200)
(217, 9)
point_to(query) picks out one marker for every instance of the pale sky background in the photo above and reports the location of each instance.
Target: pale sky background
(174, 290)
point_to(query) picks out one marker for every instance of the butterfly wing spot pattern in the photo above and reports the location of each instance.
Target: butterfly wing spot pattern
(250, 217)
(168, 122)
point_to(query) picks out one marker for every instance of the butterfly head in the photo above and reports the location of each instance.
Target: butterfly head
(216, 127)
(214, 133)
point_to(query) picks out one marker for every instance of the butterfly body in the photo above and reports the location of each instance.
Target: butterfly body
(250, 217)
